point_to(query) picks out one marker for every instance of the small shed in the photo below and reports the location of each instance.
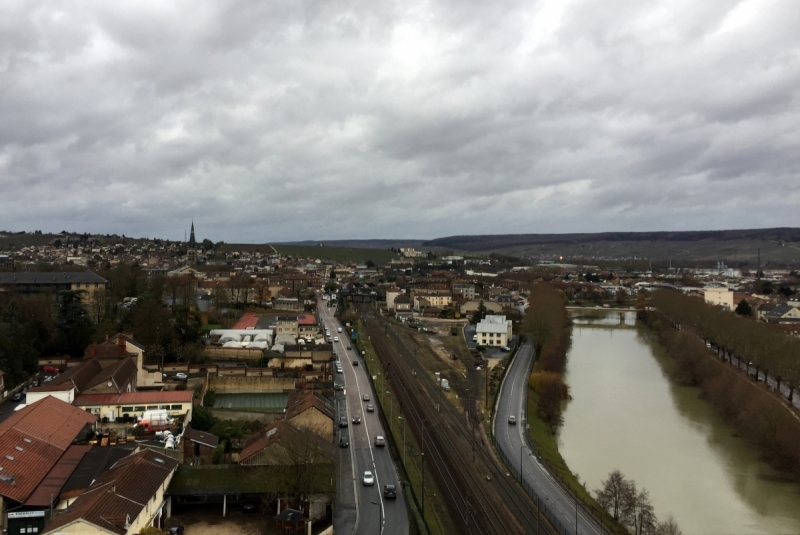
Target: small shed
(198, 446)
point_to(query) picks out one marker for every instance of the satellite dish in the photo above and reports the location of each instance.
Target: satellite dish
(110, 383)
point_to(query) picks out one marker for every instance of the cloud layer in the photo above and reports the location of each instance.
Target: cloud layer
(286, 120)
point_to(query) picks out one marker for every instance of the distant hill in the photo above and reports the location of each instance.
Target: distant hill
(778, 245)
(358, 244)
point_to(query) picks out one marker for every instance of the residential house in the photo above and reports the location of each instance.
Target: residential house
(391, 294)
(402, 303)
(124, 499)
(466, 290)
(96, 376)
(430, 298)
(493, 331)
(123, 345)
(783, 313)
(292, 304)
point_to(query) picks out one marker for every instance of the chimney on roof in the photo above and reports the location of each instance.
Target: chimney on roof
(121, 345)
(92, 351)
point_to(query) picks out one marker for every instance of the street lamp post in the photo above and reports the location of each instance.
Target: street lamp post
(380, 516)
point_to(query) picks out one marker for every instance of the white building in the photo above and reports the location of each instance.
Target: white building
(722, 297)
(494, 331)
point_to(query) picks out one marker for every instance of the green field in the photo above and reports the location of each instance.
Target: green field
(338, 254)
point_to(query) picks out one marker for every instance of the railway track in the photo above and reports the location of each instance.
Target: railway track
(481, 497)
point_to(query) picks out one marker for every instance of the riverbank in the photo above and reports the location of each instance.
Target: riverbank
(548, 324)
(759, 417)
(628, 414)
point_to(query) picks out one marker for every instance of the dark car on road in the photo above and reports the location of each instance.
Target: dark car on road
(17, 396)
(343, 421)
(356, 418)
(389, 491)
(344, 441)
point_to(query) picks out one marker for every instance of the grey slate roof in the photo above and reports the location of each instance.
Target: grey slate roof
(44, 277)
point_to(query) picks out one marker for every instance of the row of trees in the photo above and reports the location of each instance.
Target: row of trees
(632, 507)
(548, 325)
(756, 415)
(762, 345)
(28, 331)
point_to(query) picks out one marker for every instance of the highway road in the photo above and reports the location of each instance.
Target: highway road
(515, 444)
(374, 514)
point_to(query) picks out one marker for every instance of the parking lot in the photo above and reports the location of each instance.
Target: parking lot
(207, 520)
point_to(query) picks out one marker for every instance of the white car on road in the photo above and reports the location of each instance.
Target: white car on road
(369, 479)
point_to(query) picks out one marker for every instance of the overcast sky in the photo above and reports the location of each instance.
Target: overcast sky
(291, 120)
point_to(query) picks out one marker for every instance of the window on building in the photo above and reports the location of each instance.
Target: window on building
(177, 407)
(140, 408)
(152, 407)
(127, 409)
(164, 407)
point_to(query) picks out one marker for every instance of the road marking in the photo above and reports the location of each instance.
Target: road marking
(366, 428)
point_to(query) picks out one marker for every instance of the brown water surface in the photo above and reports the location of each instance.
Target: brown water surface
(627, 414)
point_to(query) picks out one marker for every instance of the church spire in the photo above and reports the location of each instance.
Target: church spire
(192, 242)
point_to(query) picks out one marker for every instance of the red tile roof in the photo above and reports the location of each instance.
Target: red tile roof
(133, 398)
(248, 320)
(300, 401)
(51, 485)
(33, 439)
(121, 492)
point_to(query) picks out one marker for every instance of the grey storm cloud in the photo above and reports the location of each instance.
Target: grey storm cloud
(286, 120)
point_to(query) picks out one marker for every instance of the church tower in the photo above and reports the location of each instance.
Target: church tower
(191, 250)
(192, 242)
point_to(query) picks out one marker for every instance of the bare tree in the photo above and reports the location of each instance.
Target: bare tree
(644, 521)
(262, 292)
(617, 496)
(304, 455)
(669, 527)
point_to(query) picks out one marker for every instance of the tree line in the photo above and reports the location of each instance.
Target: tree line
(547, 324)
(631, 507)
(767, 349)
(30, 327)
(756, 415)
